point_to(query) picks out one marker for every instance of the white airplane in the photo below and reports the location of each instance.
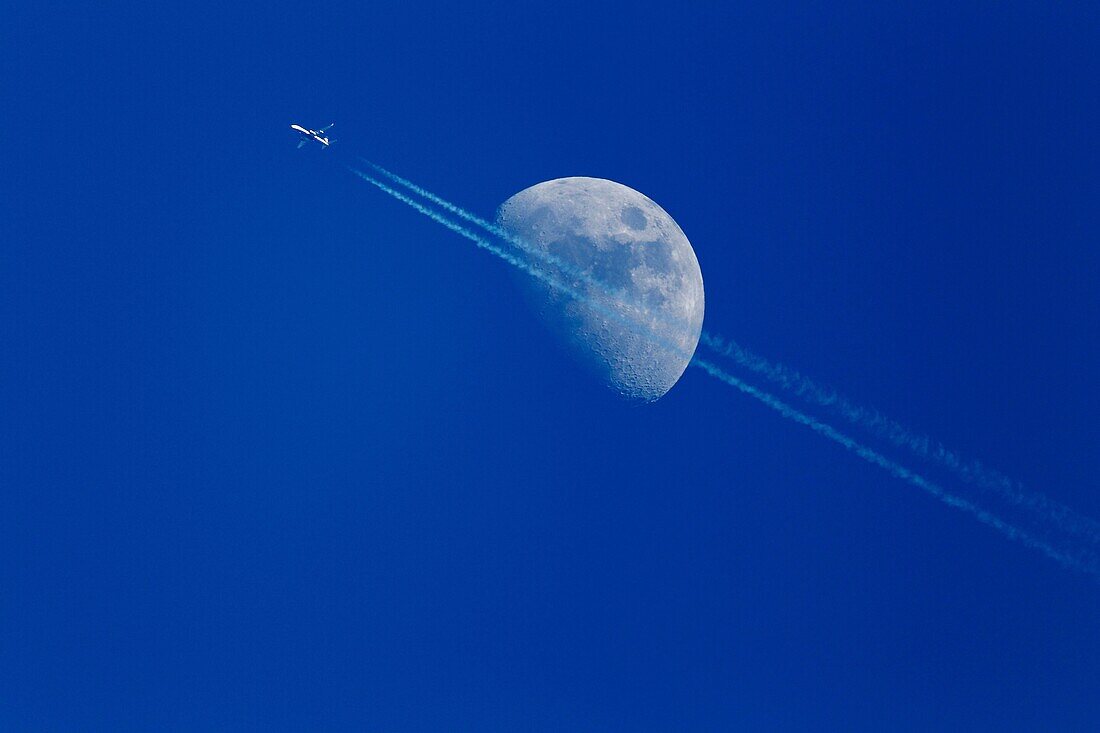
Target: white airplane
(317, 135)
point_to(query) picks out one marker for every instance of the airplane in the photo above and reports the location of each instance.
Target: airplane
(316, 135)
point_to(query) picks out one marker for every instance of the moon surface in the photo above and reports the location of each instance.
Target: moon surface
(640, 313)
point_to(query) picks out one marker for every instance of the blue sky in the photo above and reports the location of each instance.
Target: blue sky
(279, 453)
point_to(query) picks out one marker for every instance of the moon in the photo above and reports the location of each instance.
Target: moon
(636, 308)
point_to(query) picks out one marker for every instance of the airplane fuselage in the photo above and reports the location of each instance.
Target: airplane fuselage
(314, 135)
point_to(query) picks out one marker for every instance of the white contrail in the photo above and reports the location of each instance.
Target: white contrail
(1043, 508)
(894, 432)
(508, 257)
(1079, 560)
(444, 204)
(463, 231)
(1082, 560)
(567, 268)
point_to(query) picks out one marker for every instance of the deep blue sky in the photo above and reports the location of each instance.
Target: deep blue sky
(278, 453)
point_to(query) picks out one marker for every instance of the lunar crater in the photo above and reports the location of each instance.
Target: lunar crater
(633, 217)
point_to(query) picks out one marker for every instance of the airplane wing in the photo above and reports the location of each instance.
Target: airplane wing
(327, 127)
(301, 144)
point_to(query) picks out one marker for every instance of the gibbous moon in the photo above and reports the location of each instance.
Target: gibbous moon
(641, 312)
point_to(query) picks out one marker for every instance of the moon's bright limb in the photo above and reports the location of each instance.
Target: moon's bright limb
(625, 254)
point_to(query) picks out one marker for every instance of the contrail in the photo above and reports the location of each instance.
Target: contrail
(464, 232)
(475, 219)
(1082, 560)
(568, 268)
(897, 434)
(444, 204)
(1005, 489)
(511, 259)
